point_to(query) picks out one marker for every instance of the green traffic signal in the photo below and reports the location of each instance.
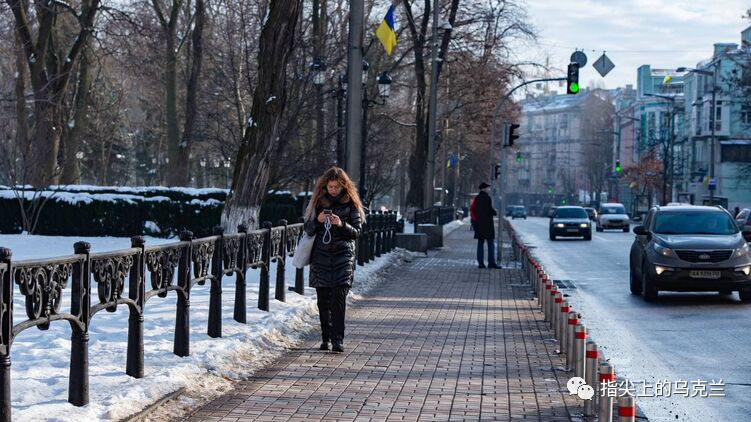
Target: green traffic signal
(550, 190)
(574, 87)
(618, 167)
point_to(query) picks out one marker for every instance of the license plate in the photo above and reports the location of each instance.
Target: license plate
(704, 274)
(572, 230)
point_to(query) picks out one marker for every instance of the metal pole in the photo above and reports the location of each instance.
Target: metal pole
(430, 168)
(713, 120)
(363, 151)
(354, 89)
(499, 183)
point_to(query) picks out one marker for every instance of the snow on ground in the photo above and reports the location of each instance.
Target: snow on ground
(41, 359)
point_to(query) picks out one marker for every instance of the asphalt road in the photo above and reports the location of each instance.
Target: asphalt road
(683, 336)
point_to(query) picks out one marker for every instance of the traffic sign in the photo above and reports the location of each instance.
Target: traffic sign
(712, 184)
(603, 65)
(579, 58)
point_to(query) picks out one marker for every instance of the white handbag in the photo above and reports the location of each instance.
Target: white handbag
(303, 250)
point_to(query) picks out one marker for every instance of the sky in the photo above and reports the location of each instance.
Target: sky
(662, 33)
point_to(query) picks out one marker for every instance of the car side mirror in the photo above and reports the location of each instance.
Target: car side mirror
(641, 231)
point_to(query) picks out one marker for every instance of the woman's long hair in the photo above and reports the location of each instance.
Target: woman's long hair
(348, 189)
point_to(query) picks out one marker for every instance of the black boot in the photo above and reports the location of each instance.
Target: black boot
(336, 346)
(325, 345)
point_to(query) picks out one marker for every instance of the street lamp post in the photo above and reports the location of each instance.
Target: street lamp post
(712, 117)
(384, 90)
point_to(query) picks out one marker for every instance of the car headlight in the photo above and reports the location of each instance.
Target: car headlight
(584, 225)
(741, 251)
(745, 269)
(560, 226)
(665, 251)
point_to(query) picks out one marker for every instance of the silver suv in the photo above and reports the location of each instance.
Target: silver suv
(689, 248)
(612, 216)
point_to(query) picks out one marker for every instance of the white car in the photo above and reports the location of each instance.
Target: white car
(612, 216)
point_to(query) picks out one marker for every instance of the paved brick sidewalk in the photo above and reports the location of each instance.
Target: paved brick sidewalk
(439, 340)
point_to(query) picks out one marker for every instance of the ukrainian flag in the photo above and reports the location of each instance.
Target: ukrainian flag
(385, 31)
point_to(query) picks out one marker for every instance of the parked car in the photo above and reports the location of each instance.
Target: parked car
(518, 211)
(744, 222)
(570, 221)
(612, 216)
(591, 212)
(689, 248)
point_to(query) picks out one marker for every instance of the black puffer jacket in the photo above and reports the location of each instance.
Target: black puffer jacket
(333, 264)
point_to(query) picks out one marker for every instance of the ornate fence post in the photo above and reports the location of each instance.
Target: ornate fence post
(182, 315)
(299, 272)
(215, 294)
(263, 287)
(364, 241)
(240, 284)
(373, 227)
(78, 382)
(136, 292)
(380, 233)
(6, 330)
(392, 230)
(280, 293)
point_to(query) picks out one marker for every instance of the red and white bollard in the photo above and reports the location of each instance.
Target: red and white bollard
(579, 348)
(607, 374)
(557, 300)
(626, 408)
(551, 302)
(562, 326)
(573, 318)
(591, 377)
(546, 300)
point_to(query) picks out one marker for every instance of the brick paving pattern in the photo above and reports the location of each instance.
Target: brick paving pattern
(439, 340)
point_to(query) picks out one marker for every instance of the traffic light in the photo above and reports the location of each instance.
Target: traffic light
(511, 135)
(550, 189)
(497, 172)
(519, 157)
(618, 167)
(572, 79)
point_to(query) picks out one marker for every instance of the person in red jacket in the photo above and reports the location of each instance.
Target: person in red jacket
(472, 216)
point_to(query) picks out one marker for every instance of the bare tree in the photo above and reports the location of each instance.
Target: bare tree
(50, 59)
(269, 101)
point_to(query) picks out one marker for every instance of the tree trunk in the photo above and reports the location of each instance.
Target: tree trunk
(170, 101)
(180, 174)
(269, 100)
(22, 116)
(45, 144)
(71, 170)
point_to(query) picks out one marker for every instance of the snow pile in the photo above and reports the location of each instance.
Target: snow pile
(41, 359)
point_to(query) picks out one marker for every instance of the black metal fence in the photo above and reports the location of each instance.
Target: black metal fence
(435, 215)
(148, 272)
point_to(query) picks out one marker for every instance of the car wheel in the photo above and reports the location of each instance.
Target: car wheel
(552, 236)
(634, 282)
(599, 229)
(648, 291)
(625, 230)
(745, 295)
(588, 236)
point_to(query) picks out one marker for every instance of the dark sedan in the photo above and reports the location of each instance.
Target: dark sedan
(570, 221)
(689, 248)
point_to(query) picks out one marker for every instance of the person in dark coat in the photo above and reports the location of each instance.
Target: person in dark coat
(335, 215)
(484, 227)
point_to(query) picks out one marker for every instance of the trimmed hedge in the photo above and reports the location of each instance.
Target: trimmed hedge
(95, 211)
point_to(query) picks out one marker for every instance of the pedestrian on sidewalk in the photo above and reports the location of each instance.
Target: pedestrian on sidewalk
(484, 227)
(334, 215)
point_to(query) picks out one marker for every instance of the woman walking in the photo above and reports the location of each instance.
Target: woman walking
(334, 215)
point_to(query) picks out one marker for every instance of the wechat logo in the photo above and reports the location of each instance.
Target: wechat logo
(576, 385)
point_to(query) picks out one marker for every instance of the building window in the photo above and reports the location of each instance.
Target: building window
(698, 122)
(718, 116)
(736, 153)
(746, 113)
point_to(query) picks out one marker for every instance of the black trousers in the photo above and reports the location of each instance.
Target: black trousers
(332, 304)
